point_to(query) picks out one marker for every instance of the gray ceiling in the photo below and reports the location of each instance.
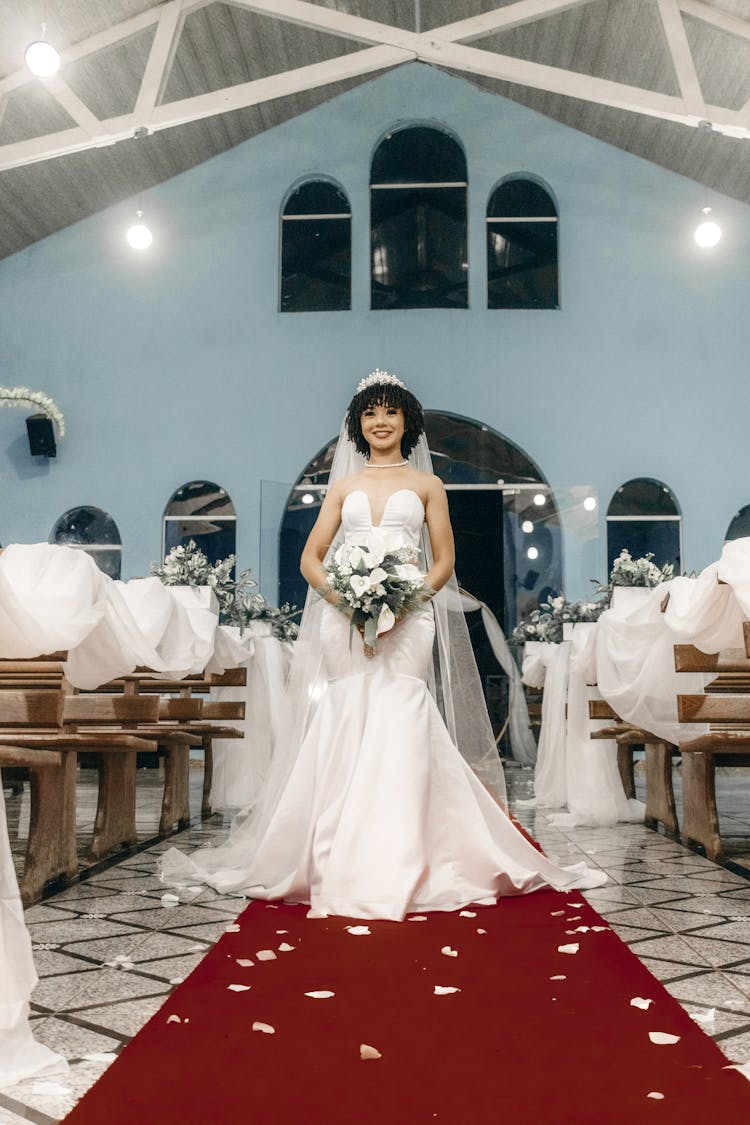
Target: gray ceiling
(222, 45)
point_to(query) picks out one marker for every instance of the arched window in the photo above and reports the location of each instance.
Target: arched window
(644, 518)
(521, 247)
(316, 249)
(93, 531)
(202, 511)
(418, 221)
(739, 528)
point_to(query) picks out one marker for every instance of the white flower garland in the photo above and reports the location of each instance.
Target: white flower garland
(22, 396)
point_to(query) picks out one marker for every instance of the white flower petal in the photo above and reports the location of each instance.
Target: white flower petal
(575, 905)
(641, 1002)
(663, 1037)
(705, 1019)
(173, 1019)
(556, 913)
(572, 948)
(358, 931)
(468, 914)
(285, 947)
(323, 994)
(386, 620)
(266, 955)
(282, 931)
(448, 952)
(655, 1095)
(599, 929)
(559, 977)
(368, 1052)
(481, 931)
(417, 918)
(264, 1027)
(445, 989)
(244, 962)
(239, 987)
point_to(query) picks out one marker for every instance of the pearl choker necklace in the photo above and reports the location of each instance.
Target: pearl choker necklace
(397, 465)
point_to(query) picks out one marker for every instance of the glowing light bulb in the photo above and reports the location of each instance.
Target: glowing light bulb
(527, 527)
(708, 232)
(308, 498)
(540, 499)
(532, 553)
(139, 236)
(41, 58)
(589, 503)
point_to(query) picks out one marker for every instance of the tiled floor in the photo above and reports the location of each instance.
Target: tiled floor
(108, 952)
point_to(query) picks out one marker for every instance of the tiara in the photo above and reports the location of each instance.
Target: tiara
(376, 377)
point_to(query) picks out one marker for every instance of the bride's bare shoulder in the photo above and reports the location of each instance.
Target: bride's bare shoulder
(342, 487)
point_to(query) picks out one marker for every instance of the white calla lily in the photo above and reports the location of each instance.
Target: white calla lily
(386, 620)
(360, 583)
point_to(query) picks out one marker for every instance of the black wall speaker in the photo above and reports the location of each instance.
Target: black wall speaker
(41, 436)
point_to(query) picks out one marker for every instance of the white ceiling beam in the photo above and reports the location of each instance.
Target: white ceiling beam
(72, 104)
(277, 86)
(204, 105)
(503, 19)
(723, 20)
(317, 18)
(160, 59)
(682, 59)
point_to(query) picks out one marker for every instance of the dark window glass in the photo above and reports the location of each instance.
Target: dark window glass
(739, 528)
(656, 532)
(418, 222)
(642, 537)
(521, 247)
(643, 497)
(93, 531)
(316, 249)
(201, 511)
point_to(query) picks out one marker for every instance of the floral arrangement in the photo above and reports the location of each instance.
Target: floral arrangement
(254, 607)
(188, 566)
(379, 584)
(628, 571)
(546, 622)
(22, 396)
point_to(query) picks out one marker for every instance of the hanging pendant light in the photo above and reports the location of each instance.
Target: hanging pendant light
(139, 235)
(41, 57)
(707, 233)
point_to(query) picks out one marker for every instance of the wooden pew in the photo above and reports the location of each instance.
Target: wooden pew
(206, 725)
(727, 712)
(40, 730)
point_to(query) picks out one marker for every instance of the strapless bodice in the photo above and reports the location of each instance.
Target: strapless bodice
(402, 518)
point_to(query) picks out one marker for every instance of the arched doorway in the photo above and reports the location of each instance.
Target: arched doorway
(505, 520)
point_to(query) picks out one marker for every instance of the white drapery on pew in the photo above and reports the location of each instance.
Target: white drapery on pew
(521, 737)
(55, 599)
(630, 656)
(240, 767)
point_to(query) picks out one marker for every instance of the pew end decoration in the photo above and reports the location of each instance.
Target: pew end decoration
(239, 605)
(42, 424)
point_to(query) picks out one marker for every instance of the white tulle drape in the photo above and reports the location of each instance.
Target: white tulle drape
(522, 740)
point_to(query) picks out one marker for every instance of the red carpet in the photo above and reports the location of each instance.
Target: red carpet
(512, 1046)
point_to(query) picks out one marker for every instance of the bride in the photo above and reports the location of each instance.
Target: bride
(377, 804)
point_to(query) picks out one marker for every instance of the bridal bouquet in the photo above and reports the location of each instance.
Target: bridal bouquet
(379, 582)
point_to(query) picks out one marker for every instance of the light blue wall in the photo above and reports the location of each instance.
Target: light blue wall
(175, 364)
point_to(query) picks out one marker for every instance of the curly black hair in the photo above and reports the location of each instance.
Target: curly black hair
(385, 394)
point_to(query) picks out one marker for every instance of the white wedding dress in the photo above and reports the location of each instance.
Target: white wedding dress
(381, 815)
